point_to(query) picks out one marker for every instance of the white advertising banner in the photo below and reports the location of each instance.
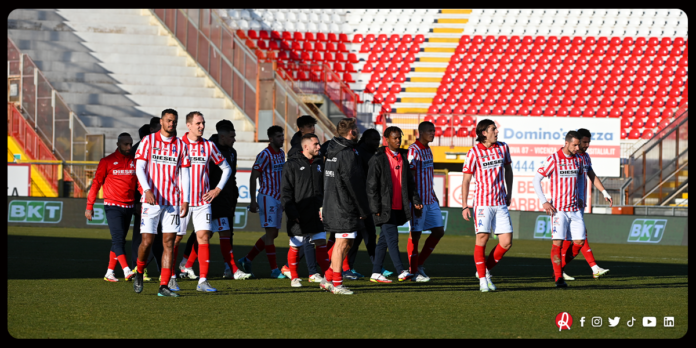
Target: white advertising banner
(243, 176)
(532, 140)
(18, 179)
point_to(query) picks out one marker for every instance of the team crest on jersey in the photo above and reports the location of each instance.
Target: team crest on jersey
(142, 222)
(115, 163)
(131, 165)
(480, 223)
(202, 151)
(174, 150)
(319, 168)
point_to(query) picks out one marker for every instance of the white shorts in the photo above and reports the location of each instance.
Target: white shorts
(568, 235)
(495, 218)
(431, 218)
(153, 215)
(201, 217)
(346, 235)
(564, 223)
(298, 241)
(270, 211)
(221, 224)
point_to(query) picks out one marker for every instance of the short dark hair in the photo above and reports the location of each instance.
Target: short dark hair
(306, 120)
(481, 127)
(344, 126)
(272, 130)
(392, 129)
(422, 125)
(224, 126)
(308, 136)
(572, 134)
(190, 115)
(585, 133)
(123, 135)
(154, 121)
(170, 111)
(368, 133)
(144, 131)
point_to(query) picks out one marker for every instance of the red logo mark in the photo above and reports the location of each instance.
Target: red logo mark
(345, 235)
(563, 321)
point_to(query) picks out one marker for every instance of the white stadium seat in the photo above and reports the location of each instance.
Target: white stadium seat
(302, 17)
(362, 28)
(400, 28)
(346, 28)
(306, 10)
(314, 18)
(335, 18)
(312, 27)
(245, 15)
(280, 16)
(323, 27)
(290, 26)
(234, 14)
(300, 26)
(334, 28)
(291, 16)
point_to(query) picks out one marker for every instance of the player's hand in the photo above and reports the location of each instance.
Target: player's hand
(210, 195)
(508, 199)
(611, 201)
(149, 197)
(184, 209)
(419, 210)
(548, 207)
(321, 217)
(466, 214)
(377, 214)
(88, 214)
(254, 207)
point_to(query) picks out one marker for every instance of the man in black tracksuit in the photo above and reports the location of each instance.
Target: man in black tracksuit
(345, 199)
(302, 196)
(391, 190)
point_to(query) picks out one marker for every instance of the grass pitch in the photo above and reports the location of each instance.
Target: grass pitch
(55, 290)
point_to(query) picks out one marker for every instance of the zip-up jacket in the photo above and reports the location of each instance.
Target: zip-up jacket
(223, 204)
(116, 173)
(302, 194)
(380, 190)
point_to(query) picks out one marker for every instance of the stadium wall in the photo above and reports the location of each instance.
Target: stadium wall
(615, 229)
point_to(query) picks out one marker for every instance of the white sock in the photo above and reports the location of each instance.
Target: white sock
(183, 262)
(109, 272)
(173, 276)
(201, 280)
(126, 271)
(595, 268)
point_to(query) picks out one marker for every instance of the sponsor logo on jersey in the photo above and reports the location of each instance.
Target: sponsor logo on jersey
(278, 167)
(196, 159)
(123, 172)
(301, 168)
(492, 163)
(427, 163)
(164, 159)
(330, 173)
(569, 173)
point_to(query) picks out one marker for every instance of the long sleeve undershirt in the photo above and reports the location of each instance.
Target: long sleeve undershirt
(226, 173)
(140, 167)
(537, 187)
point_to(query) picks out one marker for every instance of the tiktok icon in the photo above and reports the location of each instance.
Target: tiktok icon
(563, 321)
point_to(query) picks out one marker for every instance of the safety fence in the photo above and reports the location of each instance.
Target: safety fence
(69, 179)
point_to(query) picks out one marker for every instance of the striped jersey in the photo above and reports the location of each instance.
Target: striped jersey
(586, 165)
(420, 158)
(487, 166)
(164, 161)
(201, 154)
(270, 164)
(564, 173)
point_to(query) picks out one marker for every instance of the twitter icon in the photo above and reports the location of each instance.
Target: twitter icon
(614, 321)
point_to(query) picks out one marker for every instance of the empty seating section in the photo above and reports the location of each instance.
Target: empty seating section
(628, 64)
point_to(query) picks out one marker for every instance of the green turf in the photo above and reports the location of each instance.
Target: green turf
(55, 290)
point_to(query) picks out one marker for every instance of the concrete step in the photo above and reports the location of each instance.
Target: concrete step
(104, 38)
(120, 11)
(35, 14)
(135, 69)
(106, 88)
(141, 99)
(112, 111)
(158, 50)
(127, 79)
(210, 114)
(97, 27)
(93, 57)
(104, 16)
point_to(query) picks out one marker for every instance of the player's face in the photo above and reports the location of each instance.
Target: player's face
(168, 123)
(394, 141)
(197, 126)
(491, 134)
(227, 138)
(124, 145)
(312, 147)
(373, 140)
(573, 145)
(278, 139)
(428, 134)
(584, 144)
(307, 129)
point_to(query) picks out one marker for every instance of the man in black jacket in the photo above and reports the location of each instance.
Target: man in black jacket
(305, 125)
(345, 199)
(391, 191)
(302, 196)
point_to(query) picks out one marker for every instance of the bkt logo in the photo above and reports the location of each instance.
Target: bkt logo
(647, 230)
(542, 227)
(35, 211)
(240, 218)
(99, 216)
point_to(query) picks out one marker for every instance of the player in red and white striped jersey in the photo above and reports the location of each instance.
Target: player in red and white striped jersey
(564, 170)
(201, 152)
(163, 164)
(420, 158)
(568, 253)
(268, 168)
(490, 163)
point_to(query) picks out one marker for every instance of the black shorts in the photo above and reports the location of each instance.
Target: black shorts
(223, 208)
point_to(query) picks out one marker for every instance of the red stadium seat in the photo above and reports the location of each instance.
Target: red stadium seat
(537, 111)
(634, 134)
(322, 37)
(575, 112)
(562, 111)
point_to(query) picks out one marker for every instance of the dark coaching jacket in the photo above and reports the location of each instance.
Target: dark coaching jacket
(380, 189)
(345, 198)
(226, 201)
(302, 194)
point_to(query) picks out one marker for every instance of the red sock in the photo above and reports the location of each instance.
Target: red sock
(322, 258)
(412, 249)
(292, 262)
(112, 260)
(337, 279)
(480, 259)
(260, 244)
(587, 253)
(567, 245)
(495, 256)
(227, 255)
(330, 252)
(203, 259)
(346, 266)
(328, 274)
(166, 274)
(271, 254)
(140, 266)
(192, 256)
(556, 262)
(122, 260)
(428, 248)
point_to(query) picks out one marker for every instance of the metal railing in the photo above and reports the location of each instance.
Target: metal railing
(456, 131)
(44, 108)
(82, 172)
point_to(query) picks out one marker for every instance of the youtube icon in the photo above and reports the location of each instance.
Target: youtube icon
(649, 321)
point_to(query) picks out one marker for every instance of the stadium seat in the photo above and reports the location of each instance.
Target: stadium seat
(634, 134)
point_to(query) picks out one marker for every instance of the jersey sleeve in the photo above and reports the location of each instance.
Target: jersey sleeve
(143, 152)
(413, 157)
(589, 162)
(97, 183)
(469, 166)
(548, 166)
(215, 154)
(508, 158)
(261, 162)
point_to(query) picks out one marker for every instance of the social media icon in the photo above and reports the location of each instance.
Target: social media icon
(563, 321)
(649, 321)
(582, 322)
(614, 321)
(596, 321)
(669, 322)
(631, 322)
